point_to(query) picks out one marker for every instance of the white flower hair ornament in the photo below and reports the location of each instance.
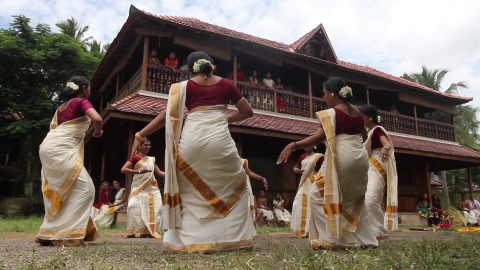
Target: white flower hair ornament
(344, 91)
(199, 63)
(72, 86)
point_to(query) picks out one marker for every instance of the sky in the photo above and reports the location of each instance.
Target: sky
(394, 36)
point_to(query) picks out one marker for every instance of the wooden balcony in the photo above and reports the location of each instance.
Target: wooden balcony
(159, 79)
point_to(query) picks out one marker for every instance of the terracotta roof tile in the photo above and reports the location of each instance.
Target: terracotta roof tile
(150, 105)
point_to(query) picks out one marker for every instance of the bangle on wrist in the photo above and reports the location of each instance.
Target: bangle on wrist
(139, 138)
(388, 149)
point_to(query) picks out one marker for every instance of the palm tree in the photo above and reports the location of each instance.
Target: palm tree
(72, 28)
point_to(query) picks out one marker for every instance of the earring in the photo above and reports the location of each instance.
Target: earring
(332, 94)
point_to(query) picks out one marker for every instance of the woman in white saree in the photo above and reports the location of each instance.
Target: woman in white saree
(144, 210)
(300, 217)
(206, 200)
(104, 216)
(68, 190)
(382, 171)
(338, 216)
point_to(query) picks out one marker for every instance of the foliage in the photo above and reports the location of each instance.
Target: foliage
(71, 28)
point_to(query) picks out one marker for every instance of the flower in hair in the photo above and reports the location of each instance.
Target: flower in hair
(199, 63)
(72, 85)
(344, 91)
(379, 118)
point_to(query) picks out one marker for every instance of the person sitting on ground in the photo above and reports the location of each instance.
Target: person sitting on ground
(105, 216)
(171, 61)
(283, 216)
(475, 206)
(103, 195)
(263, 210)
(268, 81)
(465, 206)
(153, 59)
(253, 79)
(424, 210)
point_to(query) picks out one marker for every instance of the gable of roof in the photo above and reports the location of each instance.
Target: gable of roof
(318, 36)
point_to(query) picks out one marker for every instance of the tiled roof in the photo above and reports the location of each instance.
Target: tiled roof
(211, 28)
(151, 105)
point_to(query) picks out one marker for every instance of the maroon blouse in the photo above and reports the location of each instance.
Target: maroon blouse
(220, 93)
(377, 133)
(76, 108)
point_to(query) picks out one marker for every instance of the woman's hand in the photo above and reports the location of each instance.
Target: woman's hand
(285, 154)
(265, 182)
(297, 170)
(384, 153)
(97, 135)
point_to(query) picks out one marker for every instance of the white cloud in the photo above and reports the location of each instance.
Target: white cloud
(392, 36)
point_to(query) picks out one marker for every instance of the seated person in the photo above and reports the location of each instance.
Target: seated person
(103, 195)
(465, 206)
(263, 210)
(423, 209)
(283, 216)
(475, 206)
(105, 216)
(154, 58)
(253, 79)
(171, 61)
(280, 100)
(268, 81)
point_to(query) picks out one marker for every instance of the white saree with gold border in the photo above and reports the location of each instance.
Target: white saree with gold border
(68, 190)
(379, 175)
(339, 218)
(204, 174)
(300, 217)
(144, 210)
(104, 216)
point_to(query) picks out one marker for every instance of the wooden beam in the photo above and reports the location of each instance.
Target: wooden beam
(145, 63)
(428, 101)
(129, 177)
(310, 94)
(471, 161)
(154, 31)
(274, 59)
(470, 182)
(429, 188)
(416, 118)
(214, 47)
(121, 64)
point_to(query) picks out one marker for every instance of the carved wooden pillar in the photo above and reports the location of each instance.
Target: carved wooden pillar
(234, 70)
(145, 64)
(470, 182)
(427, 173)
(416, 118)
(128, 178)
(310, 94)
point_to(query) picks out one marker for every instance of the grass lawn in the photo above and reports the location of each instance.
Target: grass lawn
(274, 249)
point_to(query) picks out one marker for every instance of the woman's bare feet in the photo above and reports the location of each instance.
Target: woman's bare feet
(69, 243)
(43, 242)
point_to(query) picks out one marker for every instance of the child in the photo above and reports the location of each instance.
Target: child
(154, 58)
(171, 61)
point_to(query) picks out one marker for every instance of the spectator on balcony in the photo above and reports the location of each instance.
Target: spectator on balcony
(268, 81)
(338, 218)
(240, 73)
(278, 84)
(206, 194)
(153, 59)
(382, 171)
(253, 79)
(171, 61)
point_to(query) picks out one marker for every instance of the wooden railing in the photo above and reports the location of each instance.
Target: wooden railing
(159, 79)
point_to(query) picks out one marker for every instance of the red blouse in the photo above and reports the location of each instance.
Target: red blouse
(376, 143)
(134, 159)
(220, 93)
(171, 63)
(346, 124)
(76, 108)
(303, 156)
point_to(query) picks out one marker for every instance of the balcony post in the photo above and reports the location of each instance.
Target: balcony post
(416, 118)
(235, 70)
(275, 109)
(368, 96)
(470, 182)
(429, 188)
(145, 64)
(310, 94)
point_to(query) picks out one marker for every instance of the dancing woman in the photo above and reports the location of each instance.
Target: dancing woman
(68, 190)
(308, 165)
(206, 197)
(338, 216)
(144, 210)
(382, 171)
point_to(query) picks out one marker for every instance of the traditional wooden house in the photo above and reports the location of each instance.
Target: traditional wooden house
(129, 91)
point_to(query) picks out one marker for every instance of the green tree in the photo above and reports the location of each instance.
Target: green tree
(35, 64)
(72, 28)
